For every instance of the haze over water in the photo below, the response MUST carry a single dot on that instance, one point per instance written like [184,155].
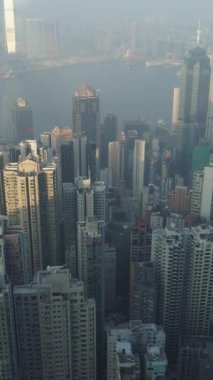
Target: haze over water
[132,93]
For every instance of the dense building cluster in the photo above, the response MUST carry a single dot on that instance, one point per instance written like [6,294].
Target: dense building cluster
[106,242]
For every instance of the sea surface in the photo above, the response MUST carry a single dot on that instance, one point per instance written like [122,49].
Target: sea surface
[131,93]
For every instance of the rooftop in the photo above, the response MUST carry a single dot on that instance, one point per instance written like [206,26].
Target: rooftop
[156,354]
[85,91]
[20,102]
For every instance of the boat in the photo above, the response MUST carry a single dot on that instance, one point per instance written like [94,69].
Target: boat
[161,63]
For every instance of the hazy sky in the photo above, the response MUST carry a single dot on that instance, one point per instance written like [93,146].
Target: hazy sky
[88,9]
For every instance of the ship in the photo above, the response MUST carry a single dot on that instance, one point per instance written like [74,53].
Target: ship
[151,64]
[161,63]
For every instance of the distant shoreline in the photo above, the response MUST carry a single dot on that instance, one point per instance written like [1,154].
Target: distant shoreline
[51,65]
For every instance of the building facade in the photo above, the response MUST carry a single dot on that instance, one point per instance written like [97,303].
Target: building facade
[86,113]
[22,116]
[56,328]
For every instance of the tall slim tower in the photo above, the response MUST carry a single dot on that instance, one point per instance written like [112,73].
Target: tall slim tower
[175,110]
[197,189]
[81,202]
[207,194]
[86,113]
[138,168]
[108,134]
[10,32]
[116,161]
[99,190]
[90,254]
[49,214]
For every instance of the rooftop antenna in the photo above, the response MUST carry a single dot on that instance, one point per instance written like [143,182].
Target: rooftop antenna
[199,31]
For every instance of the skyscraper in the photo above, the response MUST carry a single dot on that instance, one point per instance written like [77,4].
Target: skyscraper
[197,189]
[99,189]
[179,200]
[108,134]
[175,110]
[209,131]
[141,239]
[183,261]
[168,257]
[81,202]
[16,255]
[193,107]
[70,226]
[92,162]
[45,138]
[207,194]
[22,207]
[2,202]
[194,88]
[67,163]
[110,127]
[138,168]
[8,353]
[116,161]
[90,255]
[10,30]
[86,113]
[56,328]
[198,281]
[74,159]
[195,361]
[60,136]
[110,278]
[143,292]
[22,121]
[31,202]
[49,215]
[90,259]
